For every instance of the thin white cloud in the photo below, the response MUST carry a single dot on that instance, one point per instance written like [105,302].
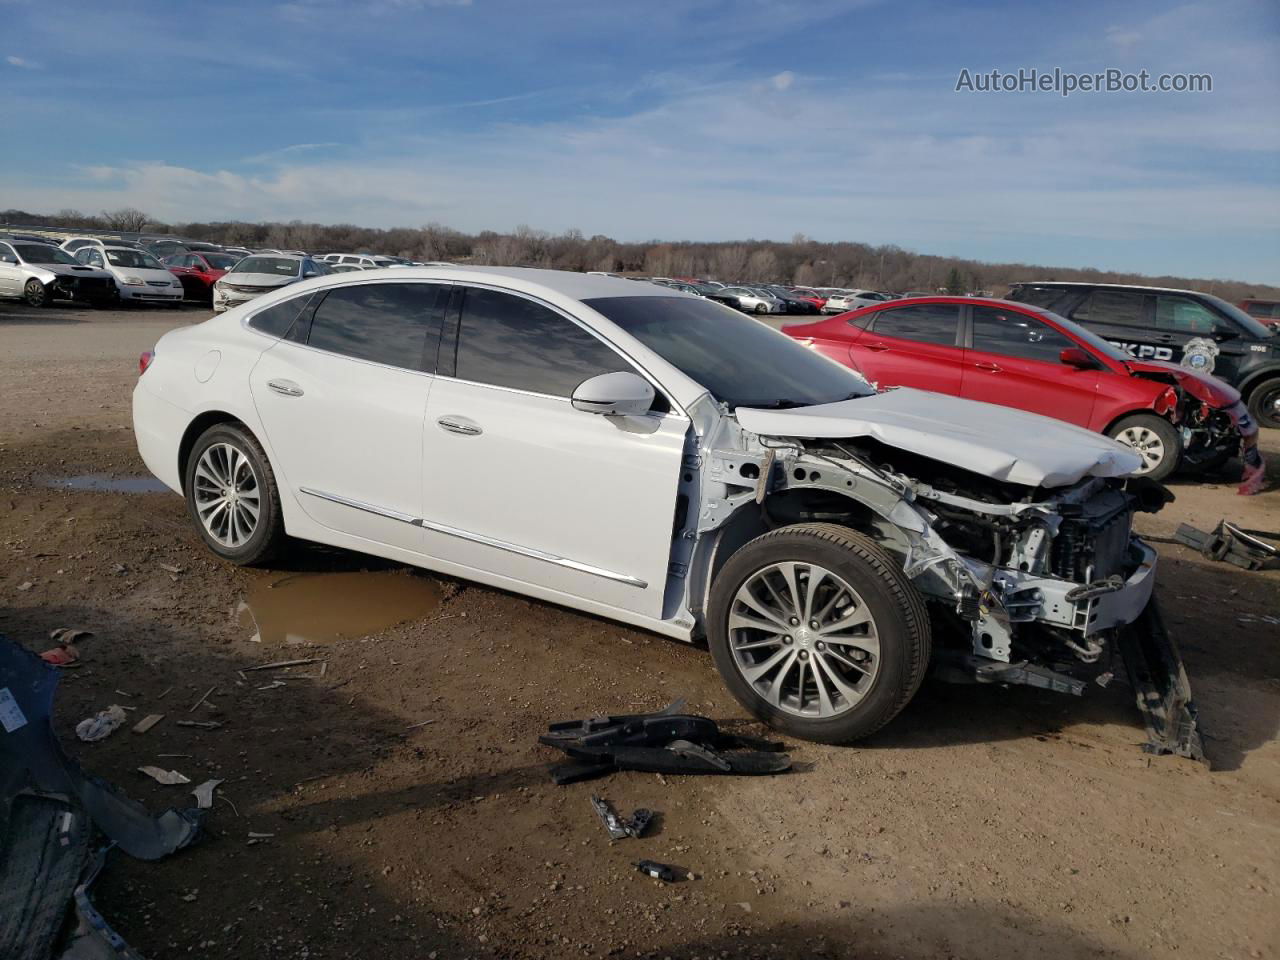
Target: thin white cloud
[783,80]
[1122,37]
[272,156]
[21,63]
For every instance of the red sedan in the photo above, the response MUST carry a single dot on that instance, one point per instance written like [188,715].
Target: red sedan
[1018,355]
[198,271]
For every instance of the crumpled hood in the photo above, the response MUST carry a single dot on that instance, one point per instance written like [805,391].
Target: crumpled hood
[995,441]
[70,270]
[1204,387]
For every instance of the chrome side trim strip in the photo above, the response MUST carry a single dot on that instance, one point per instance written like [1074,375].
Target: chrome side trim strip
[479,538]
[361,505]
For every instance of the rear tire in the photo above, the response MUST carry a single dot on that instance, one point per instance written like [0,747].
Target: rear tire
[842,680]
[762,308]
[1154,439]
[232,495]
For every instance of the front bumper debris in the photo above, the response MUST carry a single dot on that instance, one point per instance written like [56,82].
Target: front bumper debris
[1160,684]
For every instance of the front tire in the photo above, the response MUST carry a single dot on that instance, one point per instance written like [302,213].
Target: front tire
[36,294]
[1152,438]
[762,308]
[232,495]
[1264,403]
[817,632]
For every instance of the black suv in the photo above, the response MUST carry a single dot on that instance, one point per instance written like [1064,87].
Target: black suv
[1197,330]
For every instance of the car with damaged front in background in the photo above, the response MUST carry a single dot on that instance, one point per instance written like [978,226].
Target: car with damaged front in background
[660,459]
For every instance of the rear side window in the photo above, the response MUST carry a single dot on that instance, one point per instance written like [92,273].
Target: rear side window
[1013,334]
[924,323]
[1120,307]
[390,323]
[1051,298]
[510,341]
[278,318]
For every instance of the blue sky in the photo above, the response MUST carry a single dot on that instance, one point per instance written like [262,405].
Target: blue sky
[673,119]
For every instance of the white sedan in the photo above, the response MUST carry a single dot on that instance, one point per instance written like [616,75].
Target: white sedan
[139,276]
[656,458]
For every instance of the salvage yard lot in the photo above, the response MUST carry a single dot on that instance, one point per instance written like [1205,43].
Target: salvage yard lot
[982,823]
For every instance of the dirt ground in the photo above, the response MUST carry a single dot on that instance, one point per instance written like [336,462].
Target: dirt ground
[983,823]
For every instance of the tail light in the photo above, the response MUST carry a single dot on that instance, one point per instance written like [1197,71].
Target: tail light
[145,360]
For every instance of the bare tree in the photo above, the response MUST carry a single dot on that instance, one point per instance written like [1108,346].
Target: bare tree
[126,220]
[729,263]
[763,265]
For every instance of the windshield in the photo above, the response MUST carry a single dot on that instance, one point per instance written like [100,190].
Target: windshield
[132,258]
[221,261]
[280,266]
[1251,326]
[742,362]
[42,253]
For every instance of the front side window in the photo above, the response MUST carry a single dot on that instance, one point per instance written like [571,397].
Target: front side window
[1121,307]
[739,361]
[6,254]
[1013,334]
[1184,315]
[510,341]
[924,323]
[390,323]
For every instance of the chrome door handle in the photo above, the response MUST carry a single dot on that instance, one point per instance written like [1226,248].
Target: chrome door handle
[286,388]
[989,367]
[460,425]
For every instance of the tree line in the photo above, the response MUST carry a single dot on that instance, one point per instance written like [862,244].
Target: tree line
[800,262]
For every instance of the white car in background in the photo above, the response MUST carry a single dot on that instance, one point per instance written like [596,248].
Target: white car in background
[139,277]
[754,299]
[75,244]
[847,300]
[259,274]
[659,459]
[40,273]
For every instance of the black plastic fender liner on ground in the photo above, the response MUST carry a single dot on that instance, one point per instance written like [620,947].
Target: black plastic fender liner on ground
[1159,681]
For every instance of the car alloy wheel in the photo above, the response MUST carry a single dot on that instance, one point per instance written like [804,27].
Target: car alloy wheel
[228,495]
[1146,444]
[36,294]
[804,639]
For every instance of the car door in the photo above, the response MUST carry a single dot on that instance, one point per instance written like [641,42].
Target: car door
[342,395]
[10,273]
[912,346]
[520,484]
[1014,360]
[1201,338]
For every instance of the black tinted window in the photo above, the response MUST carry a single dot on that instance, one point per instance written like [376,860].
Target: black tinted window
[925,323]
[1014,334]
[509,341]
[1051,298]
[740,361]
[1185,316]
[389,323]
[278,318]
[1113,306]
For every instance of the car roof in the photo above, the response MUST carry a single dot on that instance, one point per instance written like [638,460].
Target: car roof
[1106,286]
[566,283]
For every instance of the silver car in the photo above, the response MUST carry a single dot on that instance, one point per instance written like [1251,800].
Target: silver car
[40,273]
[256,275]
[754,300]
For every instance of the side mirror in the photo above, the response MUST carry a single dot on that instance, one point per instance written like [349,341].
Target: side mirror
[614,395]
[1075,357]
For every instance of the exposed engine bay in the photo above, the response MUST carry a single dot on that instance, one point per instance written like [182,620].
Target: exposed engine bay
[1025,584]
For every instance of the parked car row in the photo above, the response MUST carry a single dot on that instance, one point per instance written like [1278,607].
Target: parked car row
[1018,354]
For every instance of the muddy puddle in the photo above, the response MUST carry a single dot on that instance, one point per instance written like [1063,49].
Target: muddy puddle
[106,483]
[309,608]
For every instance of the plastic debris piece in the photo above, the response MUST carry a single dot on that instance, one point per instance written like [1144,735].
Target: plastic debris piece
[207,694]
[621,827]
[284,663]
[204,793]
[660,871]
[62,655]
[61,635]
[200,724]
[167,777]
[147,722]
[101,725]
